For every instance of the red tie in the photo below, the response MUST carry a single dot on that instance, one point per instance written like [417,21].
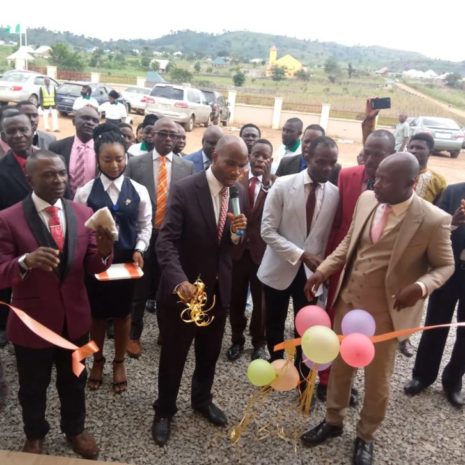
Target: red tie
[311,203]
[55,227]
[252,187]
[224,199]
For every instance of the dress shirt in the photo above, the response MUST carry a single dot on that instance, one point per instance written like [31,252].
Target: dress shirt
[399,210]
[206,161]
[113,189]
[136,149]
[90,161]
[113,110]
[156,166]
[258,186]
[82,102]
[282,152]
[41,205]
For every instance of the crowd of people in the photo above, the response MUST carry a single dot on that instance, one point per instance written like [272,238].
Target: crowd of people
[383,235]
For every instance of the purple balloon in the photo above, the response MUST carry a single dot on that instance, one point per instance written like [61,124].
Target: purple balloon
[358,321]
[310,364]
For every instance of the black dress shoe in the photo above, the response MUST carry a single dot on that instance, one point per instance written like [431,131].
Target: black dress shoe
[320,434]
[234,352]
[363,452]
[161,429]
[151,305]
[213,414]
[259,352]
[414,387]
[3,338]
[455,398]
[406,348]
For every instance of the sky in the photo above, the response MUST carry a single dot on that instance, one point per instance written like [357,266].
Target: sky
[433,29]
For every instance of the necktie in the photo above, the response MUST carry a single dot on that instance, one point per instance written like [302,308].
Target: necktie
[252,187]
[79,175]
[55,227]
[224,199]
[311,203]
[378,226]
[162,193]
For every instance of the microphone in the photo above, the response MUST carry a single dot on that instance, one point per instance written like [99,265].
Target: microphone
[234,197]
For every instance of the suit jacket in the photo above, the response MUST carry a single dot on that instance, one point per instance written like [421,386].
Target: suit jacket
[449,202]
[284,229]
[140,169]
[63,147]
[44,140]
[289,165]
[253,238]
[13,184]
[422,252]
[52,298]
[197,159]
[187,244]
[350,187]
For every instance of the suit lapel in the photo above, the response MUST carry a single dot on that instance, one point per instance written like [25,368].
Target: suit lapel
[205,202]
[297,197]
[16,172]
[71,232]
[148,179]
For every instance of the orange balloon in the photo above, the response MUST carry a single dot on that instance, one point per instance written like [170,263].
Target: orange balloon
[287,376]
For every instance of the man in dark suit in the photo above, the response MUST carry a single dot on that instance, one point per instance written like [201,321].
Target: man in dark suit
[195,242]
[78,151]
[248,255]
[441,309]
[40,139]
[45,250]
[17,132]
[146,170]
[202,158]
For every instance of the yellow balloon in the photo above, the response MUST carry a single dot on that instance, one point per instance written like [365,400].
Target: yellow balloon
[287,375]
[261,372]
[320,344]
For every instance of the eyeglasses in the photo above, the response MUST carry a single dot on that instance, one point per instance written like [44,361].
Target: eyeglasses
[165,134]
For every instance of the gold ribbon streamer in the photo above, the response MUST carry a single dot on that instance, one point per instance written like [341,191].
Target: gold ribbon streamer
[307,396]
[194,312]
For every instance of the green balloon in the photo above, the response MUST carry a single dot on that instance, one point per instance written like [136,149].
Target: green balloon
[260,372]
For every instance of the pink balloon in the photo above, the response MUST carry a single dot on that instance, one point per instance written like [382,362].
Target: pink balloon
[358,321]
[310,364]
[357,350]
[309,316]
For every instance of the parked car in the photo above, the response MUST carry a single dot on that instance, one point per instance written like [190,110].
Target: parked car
[220,110]
[135,98]
[16,86]
[68,92]
[446,133]
[183,104]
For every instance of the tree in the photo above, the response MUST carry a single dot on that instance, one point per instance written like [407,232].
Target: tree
[454,80]
[180,75]
[63,57]
[197,67]
[350,70]
[278,73]
[145,62]
[155,65]
[332,69]
[239,79]
[302,75]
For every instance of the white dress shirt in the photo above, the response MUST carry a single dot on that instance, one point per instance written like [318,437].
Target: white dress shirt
[41,205]
[113,110]
[82,102]
[113,189]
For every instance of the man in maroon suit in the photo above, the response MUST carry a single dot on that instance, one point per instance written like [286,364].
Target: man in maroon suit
[248,255]
[45,251]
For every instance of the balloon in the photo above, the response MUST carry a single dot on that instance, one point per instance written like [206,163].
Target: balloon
[357,350]
[358,321]
[261,372]
[287,375]
[309,316]
[310,363]
[320,344]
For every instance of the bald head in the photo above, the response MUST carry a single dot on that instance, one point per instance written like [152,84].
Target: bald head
[230,157]
[210,138]
[395,178]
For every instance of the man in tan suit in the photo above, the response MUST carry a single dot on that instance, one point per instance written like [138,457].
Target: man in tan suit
[397,251]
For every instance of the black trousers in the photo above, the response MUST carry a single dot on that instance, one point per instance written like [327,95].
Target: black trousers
[177,339]
[146,288]
[244,273]
[441,309]
[5,296]
[34,373]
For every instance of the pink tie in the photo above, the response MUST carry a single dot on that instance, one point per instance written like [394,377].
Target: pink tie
[378,227]
[224,198]
[55,227]
[78,177]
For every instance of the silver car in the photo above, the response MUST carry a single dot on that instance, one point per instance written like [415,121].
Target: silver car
[16,86]
[134,96]
[446,133]
[182,104]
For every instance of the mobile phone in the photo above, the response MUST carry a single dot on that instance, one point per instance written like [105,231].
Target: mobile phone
[380,103]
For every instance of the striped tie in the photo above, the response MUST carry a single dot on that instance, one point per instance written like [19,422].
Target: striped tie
[162,193]
[78,176]
[224,199]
